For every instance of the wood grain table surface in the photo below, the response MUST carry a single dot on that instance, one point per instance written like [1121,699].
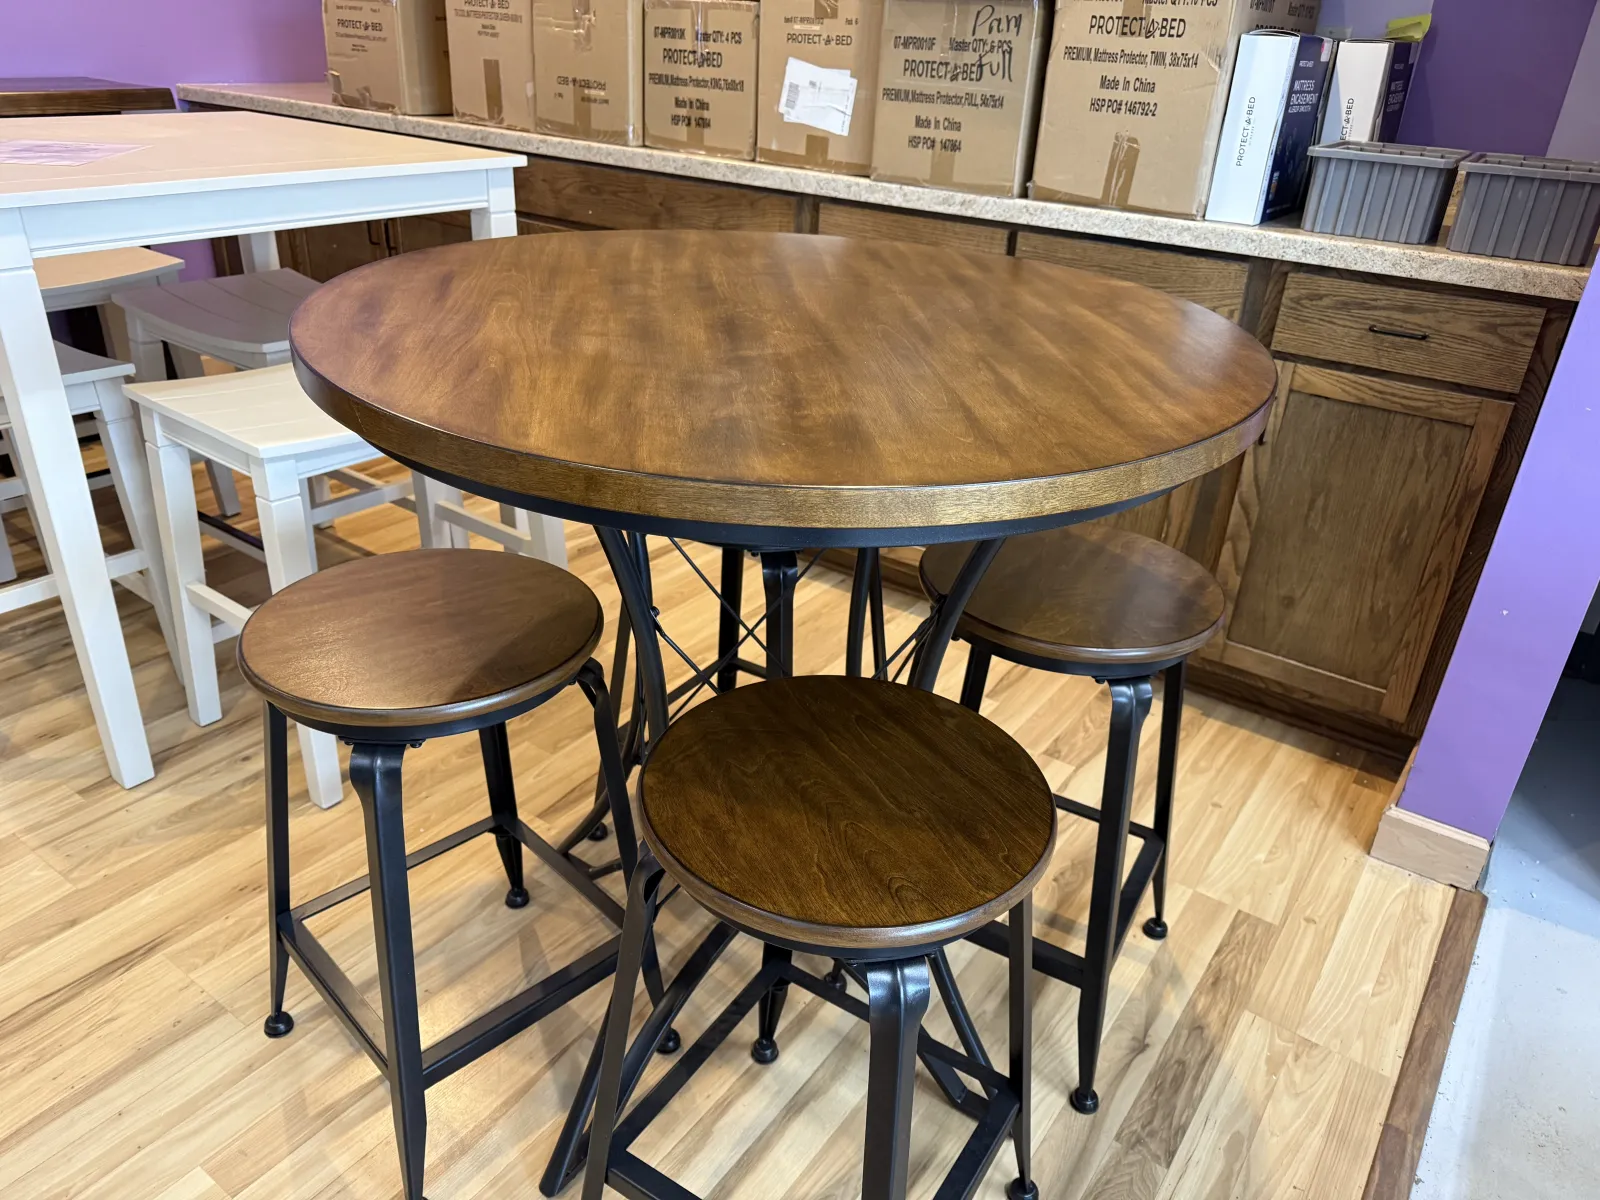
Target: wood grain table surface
[780,381]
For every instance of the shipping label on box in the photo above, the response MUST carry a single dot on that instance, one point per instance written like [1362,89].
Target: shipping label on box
[700,61]
[1134,97]
[819,72]
[491,61]
[390,55]
[587,69]
[958,83]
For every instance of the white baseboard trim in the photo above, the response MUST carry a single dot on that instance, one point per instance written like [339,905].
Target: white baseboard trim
[1430,848]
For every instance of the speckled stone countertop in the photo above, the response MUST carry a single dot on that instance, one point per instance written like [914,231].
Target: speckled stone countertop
[1277,241]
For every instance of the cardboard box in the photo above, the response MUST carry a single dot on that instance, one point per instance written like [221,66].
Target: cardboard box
[491,61]
[1367,91]
[958,88]
[700,61]
[819,83]
[388,54]
[1135,94]
[588,63]
[1274,110]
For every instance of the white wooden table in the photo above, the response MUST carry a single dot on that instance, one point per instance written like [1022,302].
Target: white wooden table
[186,176]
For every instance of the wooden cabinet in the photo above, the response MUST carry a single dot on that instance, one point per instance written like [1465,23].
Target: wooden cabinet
[610,198]
[1347,528]
[887,224]
[328,250]
[1210,281]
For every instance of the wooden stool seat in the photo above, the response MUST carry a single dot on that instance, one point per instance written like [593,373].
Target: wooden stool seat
[848,813]
[420,638]
[90,279]
[1085,594]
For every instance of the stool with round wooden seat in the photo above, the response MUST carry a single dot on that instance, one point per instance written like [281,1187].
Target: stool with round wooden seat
[1120,608]
[854,819]
[386,652]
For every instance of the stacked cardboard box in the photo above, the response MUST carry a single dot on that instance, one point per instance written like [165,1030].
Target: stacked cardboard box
[819,73]
[1135,95]
[700,76]
[958,85]
[587,69]
[491,61]
[388,54]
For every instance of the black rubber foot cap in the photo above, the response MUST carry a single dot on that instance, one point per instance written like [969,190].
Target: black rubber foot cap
[1155,928]
[836,979]
[277,1025]
[517,898]
[1085,1102]
[599,832]
[1018,1190]
[670,1043]
[764,1050]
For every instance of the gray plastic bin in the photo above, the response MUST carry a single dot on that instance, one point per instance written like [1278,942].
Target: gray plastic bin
[1378,190]
[1518,206]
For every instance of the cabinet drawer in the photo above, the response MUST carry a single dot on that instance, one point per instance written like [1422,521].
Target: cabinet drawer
[1457,339]
[1214,283]
[853,220]
[613,199]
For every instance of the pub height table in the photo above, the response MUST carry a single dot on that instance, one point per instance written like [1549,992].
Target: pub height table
[70,184]
[775,393]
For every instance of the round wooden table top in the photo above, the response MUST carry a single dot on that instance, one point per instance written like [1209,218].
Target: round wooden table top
[783,381]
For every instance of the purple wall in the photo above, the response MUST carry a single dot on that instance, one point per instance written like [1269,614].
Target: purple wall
[1494,74]
[163,42]
[1536,586]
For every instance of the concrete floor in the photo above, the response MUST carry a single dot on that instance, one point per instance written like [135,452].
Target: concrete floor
[1518,1111]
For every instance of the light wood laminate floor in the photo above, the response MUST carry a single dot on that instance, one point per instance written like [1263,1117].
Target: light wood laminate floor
[1249,1056]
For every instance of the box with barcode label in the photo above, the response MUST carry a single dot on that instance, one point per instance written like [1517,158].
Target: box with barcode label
[700,76]
[587,56]
[958,93]
[491,61]
[819,73]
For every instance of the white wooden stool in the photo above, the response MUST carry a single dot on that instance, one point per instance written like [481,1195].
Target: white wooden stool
[89,280]
[237,319]
[93,385]
[262,424]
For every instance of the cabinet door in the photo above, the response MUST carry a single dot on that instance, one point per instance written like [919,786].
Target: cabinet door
[324,251]
[1346,530]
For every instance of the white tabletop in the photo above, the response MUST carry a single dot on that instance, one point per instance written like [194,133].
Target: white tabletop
[191,152]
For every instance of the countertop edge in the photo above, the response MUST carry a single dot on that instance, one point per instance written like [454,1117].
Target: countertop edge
[1284,243]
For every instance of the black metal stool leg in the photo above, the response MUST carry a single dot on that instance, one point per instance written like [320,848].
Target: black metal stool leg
[728,619]
[765,1048]
[976,678]
[780,571]
[496,747]
[278,1022]
[1130,701]
[1020,930]
[897,998]
[630,957]
[375,773]
[1166,776]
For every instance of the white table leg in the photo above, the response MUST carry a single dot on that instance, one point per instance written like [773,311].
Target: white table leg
[144,351]
[172,480]
[46,443]
[286,537]
[130,476]
[258,251]
[499,219]
[115,331]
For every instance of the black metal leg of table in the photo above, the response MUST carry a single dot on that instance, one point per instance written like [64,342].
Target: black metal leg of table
[780,571]
[728,618]
[930,653]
